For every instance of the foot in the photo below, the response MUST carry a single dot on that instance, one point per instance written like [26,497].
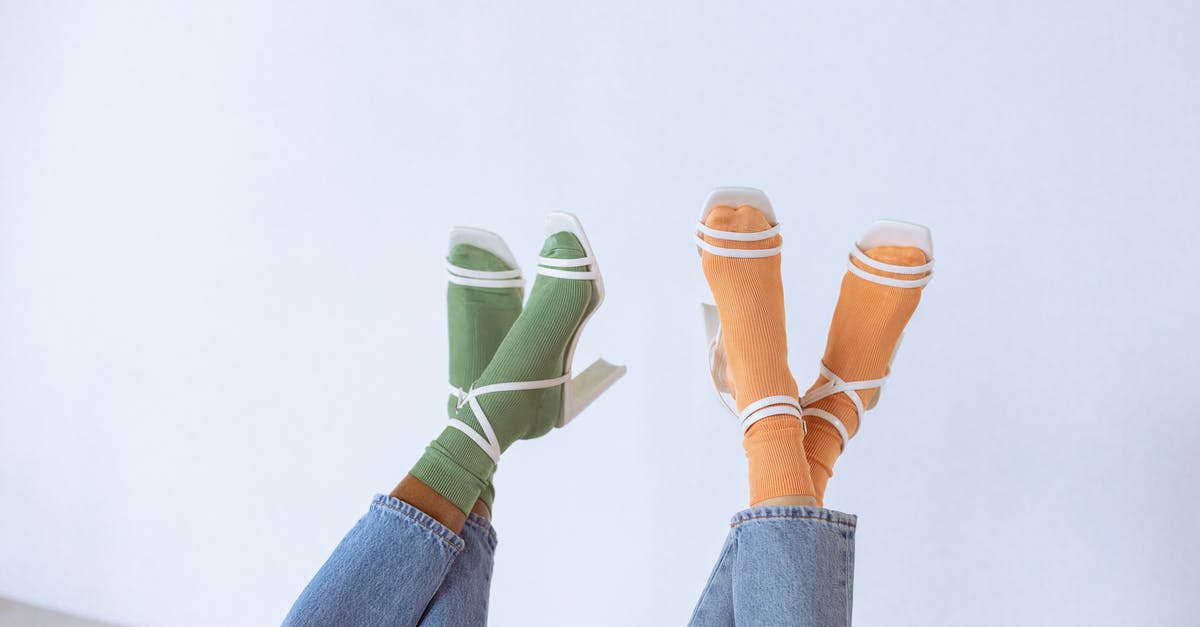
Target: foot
[872,310]
[460,462]
[749,297]
[480,311]
[535,349]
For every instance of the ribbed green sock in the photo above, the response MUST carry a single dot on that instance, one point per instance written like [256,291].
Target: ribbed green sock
[479,318]
[454,465]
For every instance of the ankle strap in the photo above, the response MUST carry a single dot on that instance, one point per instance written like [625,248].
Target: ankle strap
[855,253]
[741,253]
[763,407]
[500,279]
[837,385]
[770,406]
[488,440]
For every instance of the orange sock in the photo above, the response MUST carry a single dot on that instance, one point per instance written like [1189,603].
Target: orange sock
[749,299]
[866,328]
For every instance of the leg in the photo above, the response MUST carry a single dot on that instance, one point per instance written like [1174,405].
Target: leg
[384,572]
[715,607]
[525,391]
[888,269]
[740,255]
[391,566]
[782,565]
[788,561]
[463,598]
[480,313]
[794,565]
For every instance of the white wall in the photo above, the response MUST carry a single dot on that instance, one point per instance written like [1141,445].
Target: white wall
[221,295]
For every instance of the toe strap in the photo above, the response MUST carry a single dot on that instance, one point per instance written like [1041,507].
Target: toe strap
[735,236]
[549,266]
[501,279]
[861,257]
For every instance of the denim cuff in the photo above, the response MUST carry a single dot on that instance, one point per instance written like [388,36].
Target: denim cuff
[483,527]
[394,507]
[797,512]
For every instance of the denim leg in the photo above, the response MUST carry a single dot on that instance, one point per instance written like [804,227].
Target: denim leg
[793,566]
[715,607]
[463,598]
[384,572]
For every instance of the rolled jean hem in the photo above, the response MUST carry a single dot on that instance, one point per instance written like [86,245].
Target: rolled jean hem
[777,512]
[485,527]
[392,506]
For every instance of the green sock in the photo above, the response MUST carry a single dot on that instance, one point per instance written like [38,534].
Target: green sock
[479,318]
[534,349]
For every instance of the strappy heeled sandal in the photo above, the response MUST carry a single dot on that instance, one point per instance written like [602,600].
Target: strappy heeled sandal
[736,197]
[881,233]
[578,391]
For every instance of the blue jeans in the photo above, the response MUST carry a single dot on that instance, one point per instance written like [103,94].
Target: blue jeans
[782,565]
[398,566]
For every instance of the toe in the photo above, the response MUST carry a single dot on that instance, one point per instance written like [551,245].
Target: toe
[742,219]
[898,255]
[475,258]
[563,245]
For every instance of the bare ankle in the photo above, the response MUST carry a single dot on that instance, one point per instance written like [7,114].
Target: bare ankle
[414,492]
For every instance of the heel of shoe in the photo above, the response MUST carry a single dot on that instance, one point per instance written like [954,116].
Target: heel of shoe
[712,321]
[587,386]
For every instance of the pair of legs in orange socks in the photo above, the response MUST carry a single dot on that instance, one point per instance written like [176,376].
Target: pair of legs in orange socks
[793,441]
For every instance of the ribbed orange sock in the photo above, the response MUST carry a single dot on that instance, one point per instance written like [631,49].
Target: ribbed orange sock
[749,299]
[866,327]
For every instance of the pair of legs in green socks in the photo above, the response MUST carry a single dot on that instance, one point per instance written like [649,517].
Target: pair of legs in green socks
[510,366]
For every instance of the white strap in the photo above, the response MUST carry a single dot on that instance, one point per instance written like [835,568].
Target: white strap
[586,275]
[769,406]
[549,266]
[488,441]
[741,253]
[564,263]
[505,284]
[855,253]
[831,419]
[737,236]
[491,448]
[471,273]
[837,385]
[762,408]
[500,279]
[887,267]
[517,386]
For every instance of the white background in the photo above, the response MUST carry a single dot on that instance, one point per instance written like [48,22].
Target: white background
[222,299]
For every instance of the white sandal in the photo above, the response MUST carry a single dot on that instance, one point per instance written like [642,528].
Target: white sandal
[881,233]
[578,391]
[736,197]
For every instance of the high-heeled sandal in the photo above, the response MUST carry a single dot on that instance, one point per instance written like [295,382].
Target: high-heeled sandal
[736,197]
[578,391]
[881,233]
